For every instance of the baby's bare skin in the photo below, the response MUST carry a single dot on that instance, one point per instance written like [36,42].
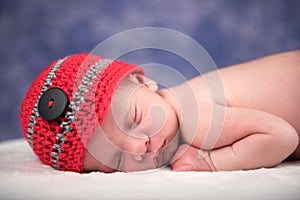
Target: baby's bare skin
[262,120]
[241,117]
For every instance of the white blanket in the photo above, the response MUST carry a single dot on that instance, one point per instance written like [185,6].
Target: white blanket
[22,176]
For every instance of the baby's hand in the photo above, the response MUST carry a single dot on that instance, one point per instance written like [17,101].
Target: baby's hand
[188,158]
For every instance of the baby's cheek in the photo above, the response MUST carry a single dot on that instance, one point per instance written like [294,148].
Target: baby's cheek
[155,119]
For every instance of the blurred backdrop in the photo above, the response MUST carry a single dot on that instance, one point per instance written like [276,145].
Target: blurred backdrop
[34,33]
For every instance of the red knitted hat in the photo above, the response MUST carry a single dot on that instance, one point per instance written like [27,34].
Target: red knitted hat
[65,105]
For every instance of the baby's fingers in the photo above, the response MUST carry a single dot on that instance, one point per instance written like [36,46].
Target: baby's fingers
[189,158]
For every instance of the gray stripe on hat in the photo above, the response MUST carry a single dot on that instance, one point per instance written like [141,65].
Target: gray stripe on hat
[34,112]
[78,98]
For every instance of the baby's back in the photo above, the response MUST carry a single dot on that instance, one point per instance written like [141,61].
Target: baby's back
[270,84]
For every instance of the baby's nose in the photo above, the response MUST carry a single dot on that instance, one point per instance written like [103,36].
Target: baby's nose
[137,144]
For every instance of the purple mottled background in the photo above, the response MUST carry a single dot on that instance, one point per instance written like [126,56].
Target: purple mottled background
[34,33]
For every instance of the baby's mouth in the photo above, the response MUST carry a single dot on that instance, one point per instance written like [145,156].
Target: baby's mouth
[158,156]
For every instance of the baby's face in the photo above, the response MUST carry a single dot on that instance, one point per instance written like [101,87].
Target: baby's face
[139,131]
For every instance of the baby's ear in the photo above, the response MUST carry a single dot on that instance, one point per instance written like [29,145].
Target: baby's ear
[147,82]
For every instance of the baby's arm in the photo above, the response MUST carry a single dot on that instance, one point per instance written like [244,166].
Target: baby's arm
[250,139]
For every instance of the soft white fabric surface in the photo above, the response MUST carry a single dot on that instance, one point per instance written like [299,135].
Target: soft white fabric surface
[24,177]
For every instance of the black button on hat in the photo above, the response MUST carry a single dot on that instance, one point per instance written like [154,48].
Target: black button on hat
[52,104]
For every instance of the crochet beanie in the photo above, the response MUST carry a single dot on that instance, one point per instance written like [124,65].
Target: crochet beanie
[65,105]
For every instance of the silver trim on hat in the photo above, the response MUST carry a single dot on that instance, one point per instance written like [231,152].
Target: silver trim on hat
[78,98]
[34,112]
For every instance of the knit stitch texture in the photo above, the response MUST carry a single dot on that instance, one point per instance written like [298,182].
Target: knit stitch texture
[89,81]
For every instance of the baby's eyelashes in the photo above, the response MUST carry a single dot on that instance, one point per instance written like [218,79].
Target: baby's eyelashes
[137,118]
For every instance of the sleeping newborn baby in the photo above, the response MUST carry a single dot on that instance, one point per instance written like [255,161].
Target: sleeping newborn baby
[85,113]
